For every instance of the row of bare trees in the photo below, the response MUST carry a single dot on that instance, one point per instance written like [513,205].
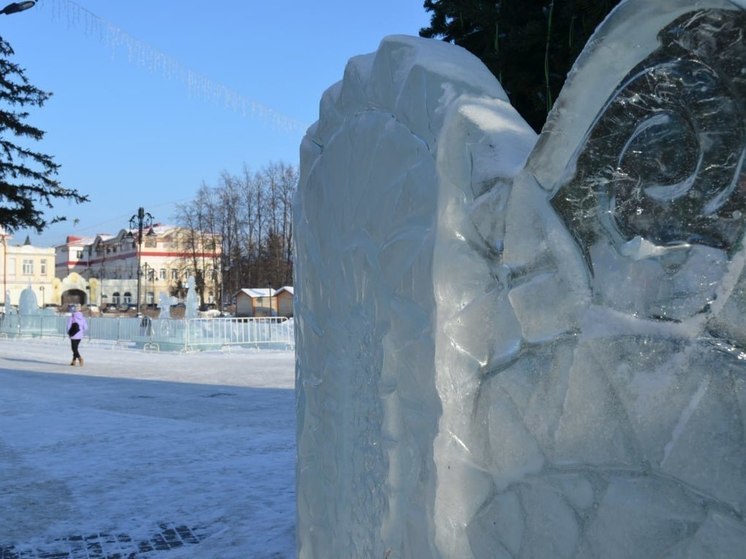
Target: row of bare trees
[241,230]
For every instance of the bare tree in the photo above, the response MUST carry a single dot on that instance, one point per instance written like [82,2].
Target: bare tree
[197,237]
[251,215]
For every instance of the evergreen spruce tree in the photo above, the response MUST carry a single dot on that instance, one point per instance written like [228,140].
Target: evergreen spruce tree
[27,183]
[529,45]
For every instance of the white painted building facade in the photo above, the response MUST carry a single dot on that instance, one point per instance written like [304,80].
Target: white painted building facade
[24,265]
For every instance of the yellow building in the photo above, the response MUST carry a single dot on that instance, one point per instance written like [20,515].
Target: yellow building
[24,265]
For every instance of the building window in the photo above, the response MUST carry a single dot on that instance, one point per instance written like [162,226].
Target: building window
[78,254]
[174,274]
[162,274]
[150,298]
[115,298]
[127,297]
[43,267]
[28,267]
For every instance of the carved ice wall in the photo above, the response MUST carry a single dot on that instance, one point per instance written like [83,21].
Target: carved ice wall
[520,348]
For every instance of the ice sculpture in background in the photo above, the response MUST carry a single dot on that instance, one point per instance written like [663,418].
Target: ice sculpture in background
[191,308]
[164,305]
[28,308]
[28,305]
[519,347]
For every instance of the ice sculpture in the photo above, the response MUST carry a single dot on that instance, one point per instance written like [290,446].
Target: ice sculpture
[27,303]
[164,305]
[191,309]
[512,346]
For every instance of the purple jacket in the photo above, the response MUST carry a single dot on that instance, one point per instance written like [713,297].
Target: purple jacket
[80,319]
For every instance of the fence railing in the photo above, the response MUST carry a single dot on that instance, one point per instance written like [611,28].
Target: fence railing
[163,333]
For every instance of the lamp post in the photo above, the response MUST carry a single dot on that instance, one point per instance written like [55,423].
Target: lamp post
[217,291]
[148,273]
[269,293]
[138,221]
[269,320]
[152,281]
[224,272]
[43,301]
[15,7]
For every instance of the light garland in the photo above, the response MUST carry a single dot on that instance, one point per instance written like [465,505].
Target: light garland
[148,57]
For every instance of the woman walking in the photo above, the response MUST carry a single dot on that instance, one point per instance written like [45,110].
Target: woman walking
[76,327]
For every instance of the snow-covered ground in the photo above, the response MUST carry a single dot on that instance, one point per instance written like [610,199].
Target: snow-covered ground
[146,455]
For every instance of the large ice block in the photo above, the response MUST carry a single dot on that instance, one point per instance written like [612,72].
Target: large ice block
[519,346]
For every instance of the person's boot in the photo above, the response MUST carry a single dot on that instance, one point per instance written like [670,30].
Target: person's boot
[72,362]
[80,361]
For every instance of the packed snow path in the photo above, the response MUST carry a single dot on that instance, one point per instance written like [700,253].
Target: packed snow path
[145,455]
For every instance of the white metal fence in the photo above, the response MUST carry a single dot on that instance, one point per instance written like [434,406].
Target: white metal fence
[163,333]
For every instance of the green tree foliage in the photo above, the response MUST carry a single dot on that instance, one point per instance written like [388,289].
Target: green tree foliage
[529,45]
[26,177]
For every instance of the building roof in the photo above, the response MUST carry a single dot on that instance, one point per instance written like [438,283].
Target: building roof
[257,292]
[73,240]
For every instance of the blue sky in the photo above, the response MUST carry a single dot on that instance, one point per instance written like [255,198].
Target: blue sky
[151,99]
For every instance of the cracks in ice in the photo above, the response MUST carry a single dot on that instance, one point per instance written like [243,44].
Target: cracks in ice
[729,348]
[684,418]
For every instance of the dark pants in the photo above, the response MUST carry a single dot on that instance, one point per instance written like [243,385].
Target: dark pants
[74,344]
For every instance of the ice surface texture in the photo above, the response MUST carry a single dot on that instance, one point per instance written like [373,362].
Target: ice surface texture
[519,347]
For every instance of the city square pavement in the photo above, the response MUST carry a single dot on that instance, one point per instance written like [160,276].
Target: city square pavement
[145,455]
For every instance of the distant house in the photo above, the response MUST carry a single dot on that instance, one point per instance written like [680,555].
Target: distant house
[284,297]
[263,301]
[256,302]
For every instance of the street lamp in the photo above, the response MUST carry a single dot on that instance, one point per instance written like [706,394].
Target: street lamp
[15,7]
[269,319]
[138,221]
[149,273]
[269,292]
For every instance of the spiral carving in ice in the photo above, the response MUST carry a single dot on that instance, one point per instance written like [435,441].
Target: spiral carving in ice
[664,159]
